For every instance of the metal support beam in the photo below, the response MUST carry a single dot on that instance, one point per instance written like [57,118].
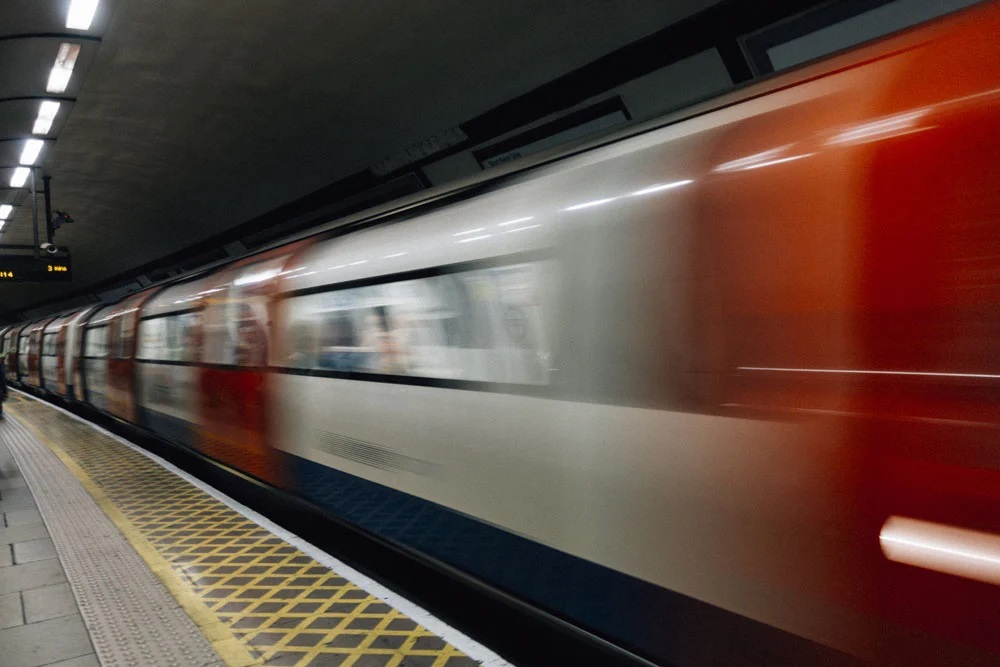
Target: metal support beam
[48,208]
[34,212]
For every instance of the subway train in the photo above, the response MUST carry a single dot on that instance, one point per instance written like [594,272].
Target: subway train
[720,389]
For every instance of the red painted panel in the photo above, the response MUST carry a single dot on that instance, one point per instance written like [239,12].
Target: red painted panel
[234,380]
[121,362]
[61,359]
[859,260]
[234,421]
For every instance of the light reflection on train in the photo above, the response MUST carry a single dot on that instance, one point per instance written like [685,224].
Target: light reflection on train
[724,390]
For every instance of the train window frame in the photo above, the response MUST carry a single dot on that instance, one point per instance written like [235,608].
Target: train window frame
[122,338]
[88,339]
[52,336]
[364,293]
[182,323]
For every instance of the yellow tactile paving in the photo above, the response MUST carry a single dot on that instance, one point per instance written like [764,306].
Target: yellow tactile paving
[259,600]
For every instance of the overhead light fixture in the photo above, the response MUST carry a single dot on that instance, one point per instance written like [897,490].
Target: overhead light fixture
[5,210]
[81,14]
[20,177]
[32,147]
[63,68]
[46,114]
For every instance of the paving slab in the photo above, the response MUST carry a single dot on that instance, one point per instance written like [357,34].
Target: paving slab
[22,517]
[83,661]
[14,482]
[31,575]
[34,550]
[48,602]
[43,643]
[11,611]
[17,495]
[31,531]
[17,504]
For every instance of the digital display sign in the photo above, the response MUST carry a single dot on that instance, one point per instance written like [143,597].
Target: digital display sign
[27,269]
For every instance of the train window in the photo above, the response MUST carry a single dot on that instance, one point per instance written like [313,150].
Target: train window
[49,344]
[169,338]
[482,325]
[97,342]
[22,344]
[247,341]
[236,332]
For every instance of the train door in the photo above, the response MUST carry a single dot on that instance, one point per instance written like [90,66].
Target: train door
[49,358]
[72,352]
[33,358]
[121,362]
[60,385]
[238,337]
[168,356]
[94,359]
[5,346]
[17,359]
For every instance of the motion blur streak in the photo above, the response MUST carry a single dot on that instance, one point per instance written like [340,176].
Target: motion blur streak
[661,187]
[852,371]
[933,546]
[882,129]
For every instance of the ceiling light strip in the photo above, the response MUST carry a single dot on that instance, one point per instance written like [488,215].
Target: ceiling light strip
[29,154]
[19,177]
[81,14]
[62,70]
[47,111]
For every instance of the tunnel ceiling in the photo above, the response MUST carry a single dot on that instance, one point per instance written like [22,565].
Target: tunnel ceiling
[185,118]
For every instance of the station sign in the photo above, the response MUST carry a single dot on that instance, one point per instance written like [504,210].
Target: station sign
[27,269]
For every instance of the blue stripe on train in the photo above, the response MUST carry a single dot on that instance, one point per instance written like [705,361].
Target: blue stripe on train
[641,616]
[168,427]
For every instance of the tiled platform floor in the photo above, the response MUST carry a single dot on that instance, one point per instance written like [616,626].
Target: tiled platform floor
[258,599]
[40,623]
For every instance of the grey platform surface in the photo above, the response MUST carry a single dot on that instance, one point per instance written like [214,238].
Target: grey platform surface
[40,622]
[132,620]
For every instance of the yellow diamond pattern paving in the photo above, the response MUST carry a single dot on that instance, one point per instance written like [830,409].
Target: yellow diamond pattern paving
[286,608]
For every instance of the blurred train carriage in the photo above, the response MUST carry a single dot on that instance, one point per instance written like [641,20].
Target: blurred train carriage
[734,375]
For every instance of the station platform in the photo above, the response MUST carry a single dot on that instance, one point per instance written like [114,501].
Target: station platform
[110,556]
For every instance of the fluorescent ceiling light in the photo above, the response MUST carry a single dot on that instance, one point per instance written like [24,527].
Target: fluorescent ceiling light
[5,210]
[46,114]
[2,223]
[20,177]
[63,68]
[81,14]
[32,147]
